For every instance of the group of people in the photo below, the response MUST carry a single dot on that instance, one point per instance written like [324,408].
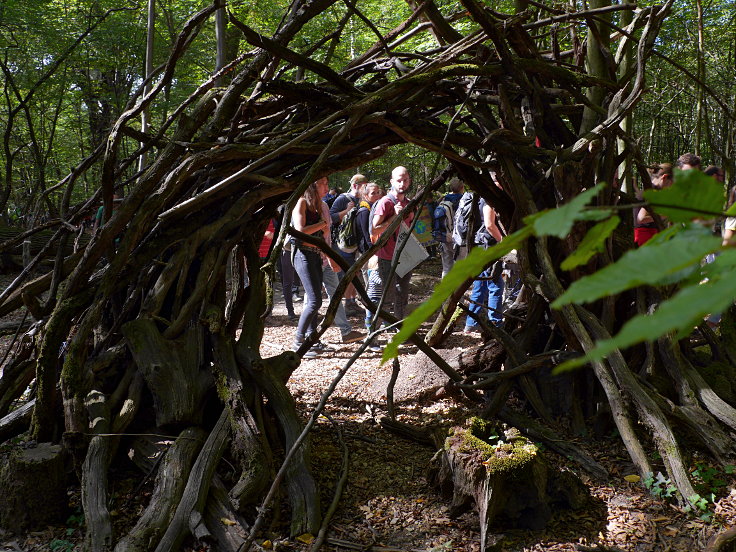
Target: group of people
[373,214]
[662,176]
[320,212]
[645,228]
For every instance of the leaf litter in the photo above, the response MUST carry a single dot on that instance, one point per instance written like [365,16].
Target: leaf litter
[388,505]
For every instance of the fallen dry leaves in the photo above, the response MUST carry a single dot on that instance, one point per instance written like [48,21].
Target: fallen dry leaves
[388,506]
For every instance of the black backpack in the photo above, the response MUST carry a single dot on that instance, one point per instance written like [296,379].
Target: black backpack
[347,236]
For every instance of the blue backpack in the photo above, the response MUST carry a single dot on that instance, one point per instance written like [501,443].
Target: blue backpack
[467,219]
[443,221]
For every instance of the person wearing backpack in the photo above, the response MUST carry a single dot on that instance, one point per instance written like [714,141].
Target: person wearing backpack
[467,221]
[342,205]
[487,291]
[384,212]
[346,205]
[369,196]
[443,221]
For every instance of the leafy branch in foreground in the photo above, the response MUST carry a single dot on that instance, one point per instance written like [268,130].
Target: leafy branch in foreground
[557,222]
[672,257]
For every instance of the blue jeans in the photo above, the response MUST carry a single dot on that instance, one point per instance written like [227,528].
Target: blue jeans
[487,290]
[349,257]
[308,265]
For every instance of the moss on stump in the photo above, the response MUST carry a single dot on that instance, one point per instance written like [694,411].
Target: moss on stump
[503,475]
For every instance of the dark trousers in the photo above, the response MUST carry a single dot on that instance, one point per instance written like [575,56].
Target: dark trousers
[397,294]
[287,280]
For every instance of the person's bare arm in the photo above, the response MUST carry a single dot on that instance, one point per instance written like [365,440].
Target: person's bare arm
[299,219]
[728,237]
[382,222]
[643,216]
[489,219]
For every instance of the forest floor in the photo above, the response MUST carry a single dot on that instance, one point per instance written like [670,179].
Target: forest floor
[387,504]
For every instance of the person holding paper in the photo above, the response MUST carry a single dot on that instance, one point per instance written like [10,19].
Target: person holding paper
[389,207]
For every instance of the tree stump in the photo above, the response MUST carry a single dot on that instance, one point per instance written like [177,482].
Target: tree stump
[22,506]
[725,541]
[503,474]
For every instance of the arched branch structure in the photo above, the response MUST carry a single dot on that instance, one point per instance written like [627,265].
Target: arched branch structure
[148,299]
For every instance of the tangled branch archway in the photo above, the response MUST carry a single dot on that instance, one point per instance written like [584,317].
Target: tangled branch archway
[523,122]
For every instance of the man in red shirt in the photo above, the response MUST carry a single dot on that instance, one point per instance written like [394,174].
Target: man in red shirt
[389,207]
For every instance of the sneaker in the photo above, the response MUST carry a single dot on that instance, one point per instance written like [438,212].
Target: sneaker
[352,336]
[311,353]
[375,348]
[296,298]
[471,330]
[322,348]
[293,317]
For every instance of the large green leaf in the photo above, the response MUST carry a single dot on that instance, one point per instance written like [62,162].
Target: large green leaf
[681,313]
[469,267]
[723,266]
[693,195]
[558,222]
[646,265]
[593,242]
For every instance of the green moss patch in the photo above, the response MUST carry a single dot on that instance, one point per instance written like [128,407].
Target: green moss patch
[498,451]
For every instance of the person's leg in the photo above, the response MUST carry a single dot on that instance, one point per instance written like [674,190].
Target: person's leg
[330,281]
[402,295]
[350,259]
[315,275]
[389,291]
[495,296]
[374,289]
[367,286]
[447,254]
[478,298]
[308,267]
[287,280]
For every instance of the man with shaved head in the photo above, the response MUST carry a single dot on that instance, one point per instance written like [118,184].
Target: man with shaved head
[389,207]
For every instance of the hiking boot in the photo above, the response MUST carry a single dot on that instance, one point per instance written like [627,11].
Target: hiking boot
[352,336]
[293,317]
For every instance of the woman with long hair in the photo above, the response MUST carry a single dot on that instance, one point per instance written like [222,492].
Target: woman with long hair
[644,226]
[308,217]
